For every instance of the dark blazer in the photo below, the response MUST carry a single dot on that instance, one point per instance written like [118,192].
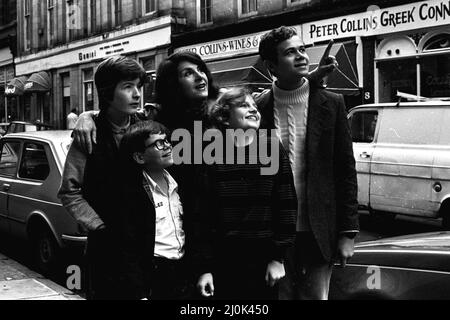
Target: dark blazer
[330,165]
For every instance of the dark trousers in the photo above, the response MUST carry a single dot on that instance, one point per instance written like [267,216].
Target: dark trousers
[307,273]
[243,280]
[101,281]
[171,280]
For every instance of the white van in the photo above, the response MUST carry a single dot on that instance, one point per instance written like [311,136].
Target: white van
[402,153]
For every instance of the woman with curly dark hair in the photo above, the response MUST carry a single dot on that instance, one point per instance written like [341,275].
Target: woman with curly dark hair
[183,87]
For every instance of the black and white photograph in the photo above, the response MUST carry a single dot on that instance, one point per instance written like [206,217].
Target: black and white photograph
[230,156]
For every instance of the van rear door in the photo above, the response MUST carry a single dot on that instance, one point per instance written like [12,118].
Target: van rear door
[441,164]
[402,160]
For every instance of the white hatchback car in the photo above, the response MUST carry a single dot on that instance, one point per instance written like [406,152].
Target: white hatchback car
[31,165]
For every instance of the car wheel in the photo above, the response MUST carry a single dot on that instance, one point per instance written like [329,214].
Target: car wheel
[446,220]
[445,214]
[45,251]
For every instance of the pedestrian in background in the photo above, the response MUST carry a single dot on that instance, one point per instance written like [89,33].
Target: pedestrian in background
[71,119]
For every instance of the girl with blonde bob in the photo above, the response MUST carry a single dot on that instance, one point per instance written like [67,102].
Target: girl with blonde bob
[247,220]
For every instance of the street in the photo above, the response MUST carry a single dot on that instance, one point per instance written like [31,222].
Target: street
[382,226]
[371,228]
[20,252]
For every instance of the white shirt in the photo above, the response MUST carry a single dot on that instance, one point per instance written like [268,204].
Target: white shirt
[169,233]
[71,120]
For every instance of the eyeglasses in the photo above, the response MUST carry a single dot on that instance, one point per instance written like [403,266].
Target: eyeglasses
[160,144]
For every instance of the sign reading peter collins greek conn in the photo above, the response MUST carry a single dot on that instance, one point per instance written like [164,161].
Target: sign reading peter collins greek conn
[377,21]
[226,47]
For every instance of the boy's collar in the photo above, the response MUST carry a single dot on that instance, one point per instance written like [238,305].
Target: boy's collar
[119,129]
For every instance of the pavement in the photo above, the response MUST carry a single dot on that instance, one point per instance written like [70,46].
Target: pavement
[17,282]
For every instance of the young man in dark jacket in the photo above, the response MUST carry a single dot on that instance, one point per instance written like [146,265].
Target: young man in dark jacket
[89,184]
[312,125]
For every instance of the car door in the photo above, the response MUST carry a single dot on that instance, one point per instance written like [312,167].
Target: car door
[402,161]
[9,160]
[28,193]
[441,164]
[363,124]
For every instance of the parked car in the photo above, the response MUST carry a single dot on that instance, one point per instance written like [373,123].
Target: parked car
[402,153]
[24,126]
[31,165]
[412,267]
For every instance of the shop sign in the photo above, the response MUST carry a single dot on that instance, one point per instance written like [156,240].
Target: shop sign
[226,47]
[376,21]
[157,36]
[10,90]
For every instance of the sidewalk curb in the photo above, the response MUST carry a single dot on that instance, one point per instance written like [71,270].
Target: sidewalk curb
[17,282]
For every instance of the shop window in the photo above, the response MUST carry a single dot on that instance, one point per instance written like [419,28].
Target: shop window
[3,104]
[204,15]
[363,126]
[65,81]
[397,75]
[438,42]
[27,107]
[13,109]
[149,89]
[88,87]
[43,107]
[435,76]
[248,7]
[149,6]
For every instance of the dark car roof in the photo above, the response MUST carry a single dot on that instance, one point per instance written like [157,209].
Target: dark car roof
[425,104]
[427,251]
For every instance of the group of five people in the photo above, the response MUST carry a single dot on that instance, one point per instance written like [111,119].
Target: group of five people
[223,230]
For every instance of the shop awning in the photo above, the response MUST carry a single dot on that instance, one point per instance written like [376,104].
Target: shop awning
[345,79]
[15,86]
[248,71]
[251,71]
[38,82]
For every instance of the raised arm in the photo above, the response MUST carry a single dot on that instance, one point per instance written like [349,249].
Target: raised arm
[85,132]
[70,191]
[326,66]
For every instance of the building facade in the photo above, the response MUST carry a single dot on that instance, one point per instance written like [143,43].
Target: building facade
[7,52]
[61,42]
[381,46]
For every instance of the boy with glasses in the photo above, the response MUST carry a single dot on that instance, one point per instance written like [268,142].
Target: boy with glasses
[154,238]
